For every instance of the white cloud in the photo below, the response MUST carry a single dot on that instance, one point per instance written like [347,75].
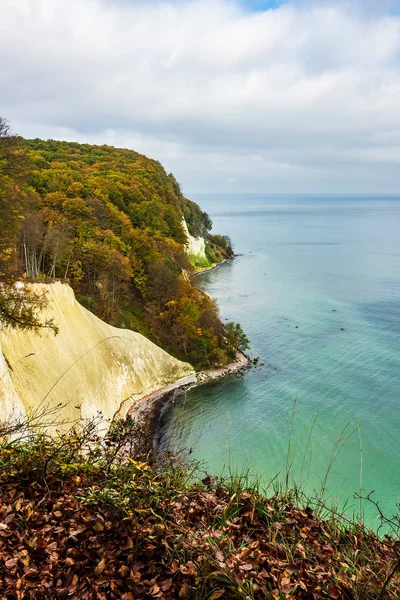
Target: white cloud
[302,98]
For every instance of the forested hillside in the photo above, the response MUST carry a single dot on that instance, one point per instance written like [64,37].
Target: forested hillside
[109,221]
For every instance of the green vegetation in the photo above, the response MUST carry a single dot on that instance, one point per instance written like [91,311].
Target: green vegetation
[236,336]
[198,222]
[77,521]
[19,307]
[200,262]
[218,248]
[109,221]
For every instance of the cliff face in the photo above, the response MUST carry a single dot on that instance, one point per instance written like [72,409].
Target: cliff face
[88,367]
[195,247]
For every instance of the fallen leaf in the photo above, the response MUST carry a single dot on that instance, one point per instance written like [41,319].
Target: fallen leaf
[11,563]
[123,571]
[166,585]
[334,592]
[217,594]
[185,592]
[127,545]
[154,590]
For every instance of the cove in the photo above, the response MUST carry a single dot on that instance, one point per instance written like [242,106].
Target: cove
[317,290]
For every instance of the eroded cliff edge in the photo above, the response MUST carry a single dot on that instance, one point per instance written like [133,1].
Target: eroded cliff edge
[88,367]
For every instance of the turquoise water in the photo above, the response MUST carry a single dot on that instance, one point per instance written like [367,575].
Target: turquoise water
[308,268]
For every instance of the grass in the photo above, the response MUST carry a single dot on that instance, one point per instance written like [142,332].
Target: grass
[81,518]
[199,261]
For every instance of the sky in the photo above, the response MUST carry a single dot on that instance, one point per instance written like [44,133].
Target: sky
[257,96]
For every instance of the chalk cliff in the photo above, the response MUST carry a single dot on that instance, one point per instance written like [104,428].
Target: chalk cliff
[88,367]
[195,247]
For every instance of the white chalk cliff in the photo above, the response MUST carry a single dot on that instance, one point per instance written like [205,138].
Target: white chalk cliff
[88,366]
[195,246]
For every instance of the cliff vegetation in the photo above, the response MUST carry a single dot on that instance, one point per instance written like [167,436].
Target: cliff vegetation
[110,221]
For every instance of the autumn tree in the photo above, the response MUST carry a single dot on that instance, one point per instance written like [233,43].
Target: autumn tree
[163,283]
[110,220]
[57,246]
[20,306]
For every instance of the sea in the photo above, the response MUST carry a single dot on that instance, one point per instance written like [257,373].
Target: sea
[316,287]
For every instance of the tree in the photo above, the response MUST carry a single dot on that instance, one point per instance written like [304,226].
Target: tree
[162,283]
[33,234]
[198,222]
[111,220]
[20,306]
[236,337]
[13,161]
[57,244]
[7,142]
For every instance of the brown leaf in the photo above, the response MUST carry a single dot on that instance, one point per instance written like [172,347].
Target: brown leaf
[334,592]
[127,545]
[217,594]
[51,547]
[11,563]
[185,591]
[123,571]
[166,585]
[31,574]
[154,590]
[174,566]
[100,567]
[246,567]
[303,585]
[219,555]
[33,542]
[232,525]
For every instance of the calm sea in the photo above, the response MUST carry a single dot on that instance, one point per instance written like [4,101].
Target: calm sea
[317,290]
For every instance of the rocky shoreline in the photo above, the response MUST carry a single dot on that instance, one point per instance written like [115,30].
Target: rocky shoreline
[215,266]
[148,411]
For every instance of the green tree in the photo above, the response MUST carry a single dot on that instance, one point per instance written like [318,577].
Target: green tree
[236,337]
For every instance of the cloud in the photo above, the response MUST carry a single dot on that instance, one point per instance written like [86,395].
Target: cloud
[301,98]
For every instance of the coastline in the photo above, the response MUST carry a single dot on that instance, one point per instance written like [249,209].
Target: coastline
[215,265]
[148,410]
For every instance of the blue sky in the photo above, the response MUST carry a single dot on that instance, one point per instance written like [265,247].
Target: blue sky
[262,4]
[388,6]
[303,98]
